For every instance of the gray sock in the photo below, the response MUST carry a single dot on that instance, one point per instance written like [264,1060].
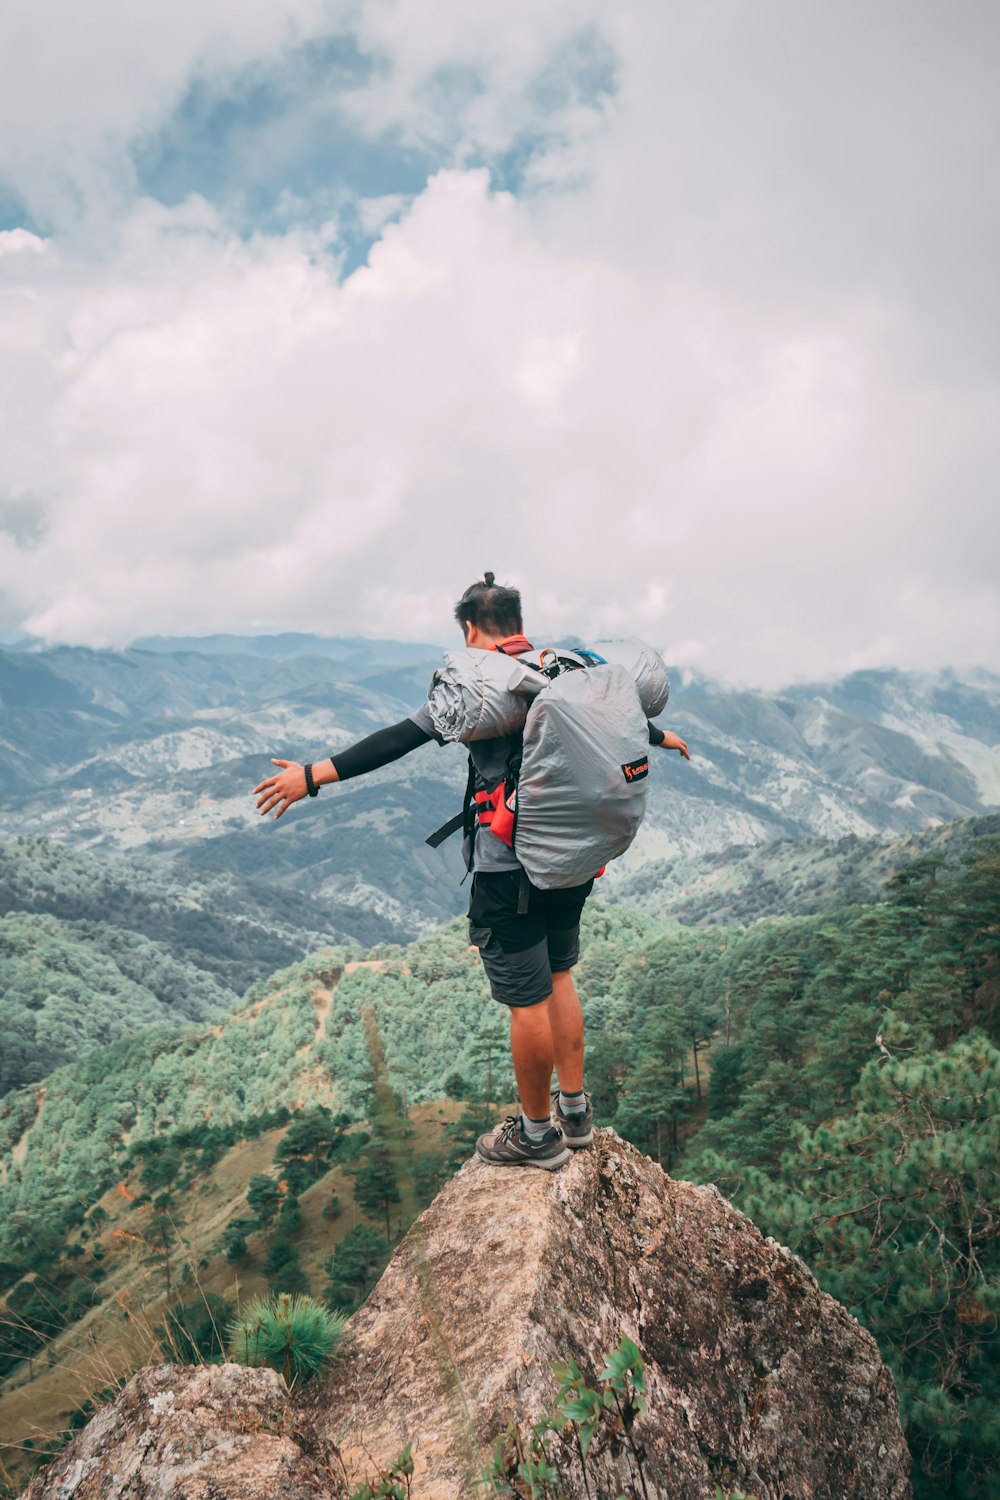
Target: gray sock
[534,1129]
[573,1104]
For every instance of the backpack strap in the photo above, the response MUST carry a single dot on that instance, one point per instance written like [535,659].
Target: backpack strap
[474,806]
[461,820]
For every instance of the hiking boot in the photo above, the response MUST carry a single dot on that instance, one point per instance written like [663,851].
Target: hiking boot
[508,1146]
[577,1129]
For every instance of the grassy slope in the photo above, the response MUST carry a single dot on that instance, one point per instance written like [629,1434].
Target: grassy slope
[118,1337]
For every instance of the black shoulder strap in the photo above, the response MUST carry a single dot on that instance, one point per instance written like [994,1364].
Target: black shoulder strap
[461,820]
[446,830]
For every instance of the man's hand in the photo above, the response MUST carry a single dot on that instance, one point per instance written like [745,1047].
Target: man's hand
[674,742]
[281,791]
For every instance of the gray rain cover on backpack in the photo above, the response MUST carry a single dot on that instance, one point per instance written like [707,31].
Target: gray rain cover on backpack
[581,793]
[470,699]
[646,668]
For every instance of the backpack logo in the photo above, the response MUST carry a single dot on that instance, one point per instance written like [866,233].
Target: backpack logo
[636,769]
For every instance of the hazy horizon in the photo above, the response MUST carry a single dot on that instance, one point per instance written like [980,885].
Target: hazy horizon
[683,676]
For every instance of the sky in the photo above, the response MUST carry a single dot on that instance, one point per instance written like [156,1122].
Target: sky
[682,317]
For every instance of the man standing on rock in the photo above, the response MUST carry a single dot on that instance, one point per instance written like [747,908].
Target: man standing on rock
[528,955]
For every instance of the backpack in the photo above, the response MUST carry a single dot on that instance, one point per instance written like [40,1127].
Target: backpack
[574,791]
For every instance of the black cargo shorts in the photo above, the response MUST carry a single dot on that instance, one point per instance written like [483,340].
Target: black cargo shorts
[521,952]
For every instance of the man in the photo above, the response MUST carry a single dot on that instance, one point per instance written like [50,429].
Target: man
[528,956]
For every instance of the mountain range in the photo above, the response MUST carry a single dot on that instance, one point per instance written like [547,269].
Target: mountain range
[156,749]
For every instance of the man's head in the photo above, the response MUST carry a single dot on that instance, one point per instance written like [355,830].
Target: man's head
[487,612]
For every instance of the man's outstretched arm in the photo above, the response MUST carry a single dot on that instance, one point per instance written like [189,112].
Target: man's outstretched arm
[667,740]
[278,792]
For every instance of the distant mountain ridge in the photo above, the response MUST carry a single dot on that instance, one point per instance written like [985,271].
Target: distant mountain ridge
[157,748]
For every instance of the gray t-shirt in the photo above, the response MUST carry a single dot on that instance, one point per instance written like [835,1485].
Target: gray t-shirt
[490,760]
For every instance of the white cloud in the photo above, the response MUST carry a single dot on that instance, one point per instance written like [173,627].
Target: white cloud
[78,84]
[228,438]
[21,242]
[81,88]
[480,76]
[732,389]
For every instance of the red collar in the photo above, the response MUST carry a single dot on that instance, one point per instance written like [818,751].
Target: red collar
[513,645]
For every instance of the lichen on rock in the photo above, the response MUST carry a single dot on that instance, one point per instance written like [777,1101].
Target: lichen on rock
[214,1432]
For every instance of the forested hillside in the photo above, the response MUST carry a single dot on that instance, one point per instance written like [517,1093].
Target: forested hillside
[788,877]
[838,1075]
[93,949]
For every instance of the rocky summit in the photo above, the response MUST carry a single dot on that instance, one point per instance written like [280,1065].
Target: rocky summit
[757,1380]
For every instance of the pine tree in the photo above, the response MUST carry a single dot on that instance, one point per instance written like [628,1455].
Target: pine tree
[354,1267]
[263,1198]
[376,1190]
[309,1140]
[895,1209]
[283,1268]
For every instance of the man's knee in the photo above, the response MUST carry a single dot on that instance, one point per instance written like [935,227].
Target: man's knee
[532,1008]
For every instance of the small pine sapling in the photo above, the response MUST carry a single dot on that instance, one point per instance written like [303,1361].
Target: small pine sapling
[295,1335]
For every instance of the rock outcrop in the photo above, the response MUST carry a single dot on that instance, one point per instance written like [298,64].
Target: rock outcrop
[215,1432]
[757,1380]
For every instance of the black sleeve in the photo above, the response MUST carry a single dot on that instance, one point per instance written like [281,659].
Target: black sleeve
[379,749]
[655,735]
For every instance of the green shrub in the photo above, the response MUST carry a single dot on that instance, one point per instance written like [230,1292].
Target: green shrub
[294,1335]
[234,1239]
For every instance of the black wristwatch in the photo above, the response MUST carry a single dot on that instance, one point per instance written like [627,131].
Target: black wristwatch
[311,786]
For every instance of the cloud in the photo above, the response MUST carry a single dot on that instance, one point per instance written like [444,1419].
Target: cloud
[92,100]
[234,439]
[720,371]
[21,242]
[77,85]
[22,517]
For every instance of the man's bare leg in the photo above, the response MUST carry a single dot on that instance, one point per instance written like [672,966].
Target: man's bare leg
[531,1050]
[544,1036]
[566,1026]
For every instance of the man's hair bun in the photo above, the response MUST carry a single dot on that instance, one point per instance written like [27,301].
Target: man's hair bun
[491,607]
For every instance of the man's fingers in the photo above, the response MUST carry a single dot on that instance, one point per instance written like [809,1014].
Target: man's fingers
[270,794]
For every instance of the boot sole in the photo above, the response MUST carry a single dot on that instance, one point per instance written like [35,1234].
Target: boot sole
[575,1143]
[547,1164]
